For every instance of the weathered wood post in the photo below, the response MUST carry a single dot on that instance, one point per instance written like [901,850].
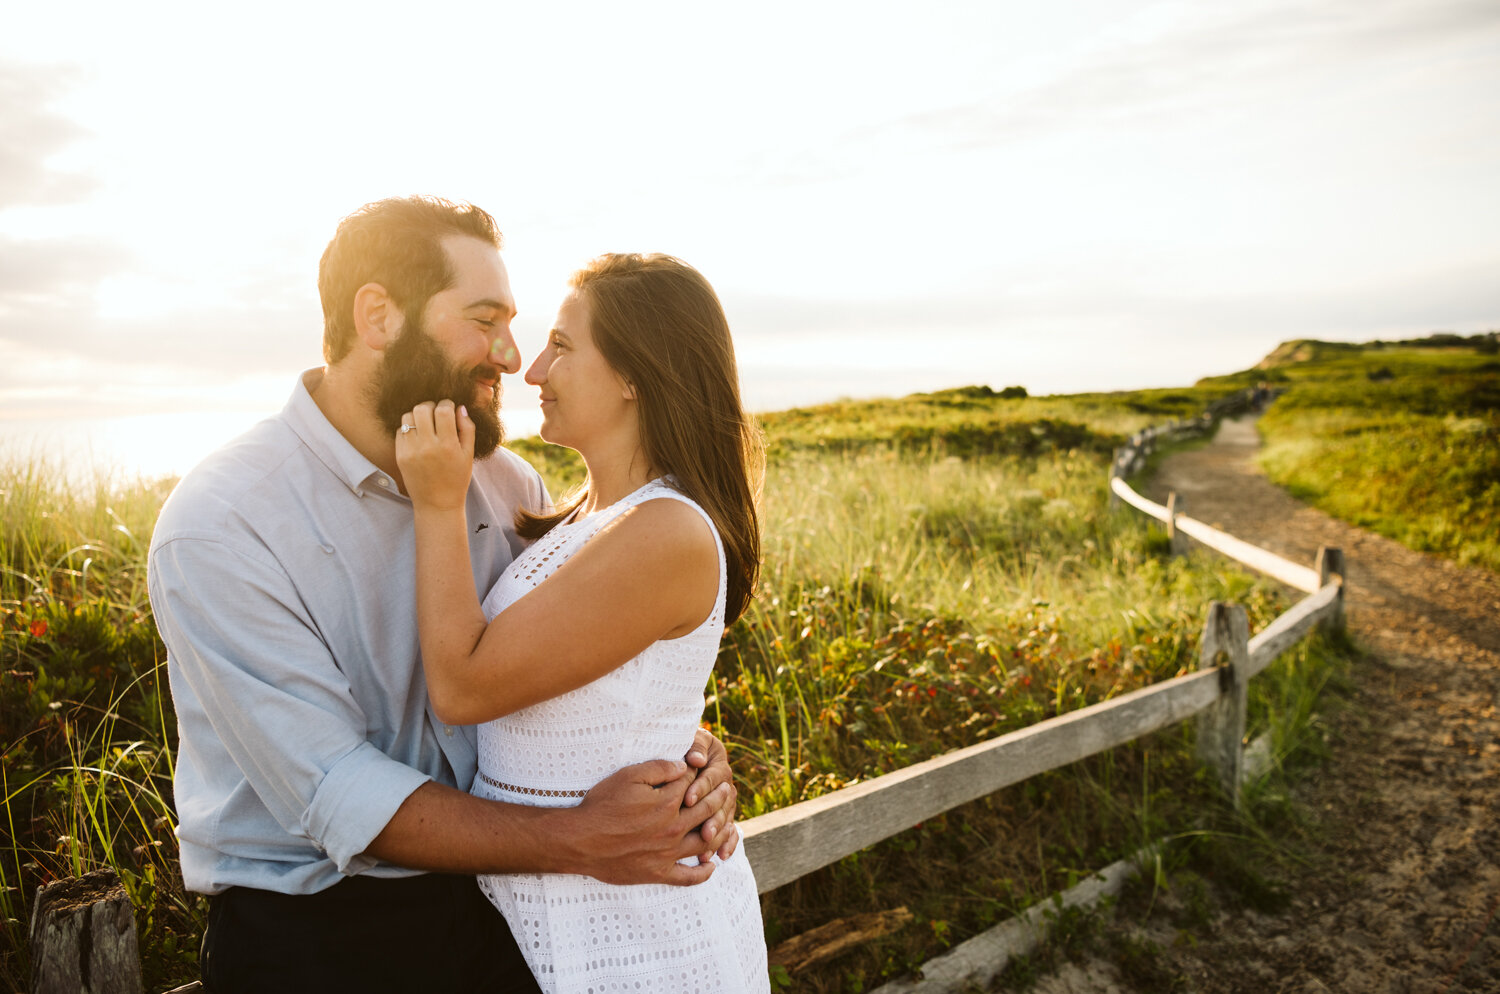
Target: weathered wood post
[83,938]
[1221,728]
[1178,540]
[1330,564]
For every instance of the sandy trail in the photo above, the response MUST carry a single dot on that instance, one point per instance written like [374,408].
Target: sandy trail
[1403,891]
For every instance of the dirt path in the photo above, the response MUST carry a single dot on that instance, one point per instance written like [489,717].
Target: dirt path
[1401,895]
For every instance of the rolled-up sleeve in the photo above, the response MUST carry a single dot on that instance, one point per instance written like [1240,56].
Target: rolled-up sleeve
[266,705]
[355,800]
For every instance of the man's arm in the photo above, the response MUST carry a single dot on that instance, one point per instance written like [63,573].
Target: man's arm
[631,828]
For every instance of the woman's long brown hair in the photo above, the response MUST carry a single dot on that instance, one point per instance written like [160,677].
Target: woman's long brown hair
[659,324]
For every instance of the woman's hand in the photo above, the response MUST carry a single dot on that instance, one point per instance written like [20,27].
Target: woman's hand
[435,452]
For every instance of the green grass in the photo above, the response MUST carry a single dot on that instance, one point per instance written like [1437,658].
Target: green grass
[1401,439]
[84,710]
[939,569]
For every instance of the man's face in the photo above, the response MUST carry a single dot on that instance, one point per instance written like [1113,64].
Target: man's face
[417,369]
[458,347]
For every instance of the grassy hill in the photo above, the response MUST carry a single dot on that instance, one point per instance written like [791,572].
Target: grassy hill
[1402,438]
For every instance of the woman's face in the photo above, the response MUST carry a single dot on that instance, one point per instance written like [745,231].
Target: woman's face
[584,401]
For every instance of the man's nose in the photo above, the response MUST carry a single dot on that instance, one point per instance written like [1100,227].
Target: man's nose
[503,352]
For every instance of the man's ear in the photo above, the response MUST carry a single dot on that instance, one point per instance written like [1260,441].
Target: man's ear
[377,319]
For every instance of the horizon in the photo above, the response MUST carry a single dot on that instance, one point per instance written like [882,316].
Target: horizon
[123,449]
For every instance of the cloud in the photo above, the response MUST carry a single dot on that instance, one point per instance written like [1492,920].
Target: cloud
[65,357]
[31,132]
[1203,66]
[50,275]
[1221,58]
[1457,296]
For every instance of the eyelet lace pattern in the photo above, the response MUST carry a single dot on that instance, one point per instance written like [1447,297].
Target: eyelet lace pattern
[581,936]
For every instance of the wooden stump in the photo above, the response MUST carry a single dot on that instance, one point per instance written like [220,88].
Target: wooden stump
[826,942]
[83,938]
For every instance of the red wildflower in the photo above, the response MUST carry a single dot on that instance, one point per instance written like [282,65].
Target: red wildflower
[38,628]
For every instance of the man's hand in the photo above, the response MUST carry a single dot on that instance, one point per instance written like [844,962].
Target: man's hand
[633,827]
[714,786]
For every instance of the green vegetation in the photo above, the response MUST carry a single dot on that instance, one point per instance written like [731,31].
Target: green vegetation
[1402,438]
[1249,859]
[939,569]
[85,717]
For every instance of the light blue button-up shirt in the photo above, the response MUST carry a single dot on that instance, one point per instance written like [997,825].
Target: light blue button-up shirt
[282,577]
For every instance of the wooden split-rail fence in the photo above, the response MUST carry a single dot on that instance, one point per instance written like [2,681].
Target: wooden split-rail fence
[791,842]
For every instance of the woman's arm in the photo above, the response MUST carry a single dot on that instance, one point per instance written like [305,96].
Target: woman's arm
[652,573]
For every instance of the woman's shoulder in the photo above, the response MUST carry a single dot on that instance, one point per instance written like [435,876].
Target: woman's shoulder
[664,510]
[663,525]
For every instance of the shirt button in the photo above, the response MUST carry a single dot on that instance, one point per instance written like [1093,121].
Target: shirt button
[447,729]
[385,483]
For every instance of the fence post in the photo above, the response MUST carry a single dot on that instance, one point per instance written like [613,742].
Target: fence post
[1114,471]
[1178,540]
[1331,564]
[83,938]
[1221,728]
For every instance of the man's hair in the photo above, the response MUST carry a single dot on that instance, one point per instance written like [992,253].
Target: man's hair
[658,324]
[398,244]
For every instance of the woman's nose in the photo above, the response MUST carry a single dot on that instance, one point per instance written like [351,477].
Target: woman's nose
[536,374]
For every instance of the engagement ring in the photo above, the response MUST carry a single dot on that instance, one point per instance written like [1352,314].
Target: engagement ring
[407,428]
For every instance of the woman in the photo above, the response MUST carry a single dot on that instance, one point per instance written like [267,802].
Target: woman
[592,651]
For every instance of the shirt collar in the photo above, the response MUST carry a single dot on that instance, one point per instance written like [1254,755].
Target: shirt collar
[328,443]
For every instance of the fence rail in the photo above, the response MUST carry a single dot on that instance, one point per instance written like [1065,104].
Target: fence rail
[796,840]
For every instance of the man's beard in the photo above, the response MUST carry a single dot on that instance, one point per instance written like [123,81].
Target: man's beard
[416,370]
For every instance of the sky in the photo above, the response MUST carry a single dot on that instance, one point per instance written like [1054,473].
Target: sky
[889,197]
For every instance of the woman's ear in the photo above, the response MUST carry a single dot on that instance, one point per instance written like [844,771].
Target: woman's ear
[377,319]
[627,389]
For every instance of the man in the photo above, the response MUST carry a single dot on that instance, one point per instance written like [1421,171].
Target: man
[320,801]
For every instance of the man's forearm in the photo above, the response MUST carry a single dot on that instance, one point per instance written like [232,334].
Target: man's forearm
[444,830]
[631,828]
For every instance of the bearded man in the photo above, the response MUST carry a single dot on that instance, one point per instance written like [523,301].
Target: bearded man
[320,802]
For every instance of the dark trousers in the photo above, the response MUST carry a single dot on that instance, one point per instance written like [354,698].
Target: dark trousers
[434,932]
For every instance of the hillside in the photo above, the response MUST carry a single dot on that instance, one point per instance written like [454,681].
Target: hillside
[1402,438]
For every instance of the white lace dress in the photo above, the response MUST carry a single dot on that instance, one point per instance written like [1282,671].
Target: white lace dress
[578,934]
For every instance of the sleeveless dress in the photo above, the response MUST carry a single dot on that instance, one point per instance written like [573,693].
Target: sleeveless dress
[581,936]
